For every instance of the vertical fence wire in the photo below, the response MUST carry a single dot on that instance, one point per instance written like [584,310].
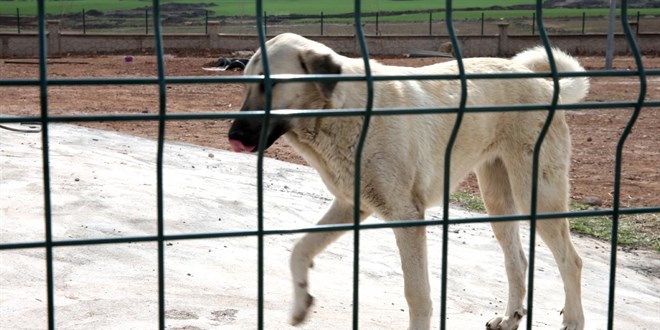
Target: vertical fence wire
[447,169]
[206,22]
[616,202]
[535,160]
[18,20]
[263,142]
[48,217]
[162,112]
[358,157]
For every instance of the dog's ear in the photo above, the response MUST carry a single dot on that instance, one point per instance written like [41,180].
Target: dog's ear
[314,63]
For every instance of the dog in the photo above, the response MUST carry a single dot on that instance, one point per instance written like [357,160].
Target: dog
[403,158]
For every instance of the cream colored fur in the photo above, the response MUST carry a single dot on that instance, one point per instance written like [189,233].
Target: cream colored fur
[402,167]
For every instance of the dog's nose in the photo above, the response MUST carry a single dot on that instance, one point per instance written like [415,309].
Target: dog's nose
[237,141]
[238,146]
[235,134]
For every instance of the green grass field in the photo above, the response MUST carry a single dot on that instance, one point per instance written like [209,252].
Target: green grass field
[306,7]
[632,232]
[247,7]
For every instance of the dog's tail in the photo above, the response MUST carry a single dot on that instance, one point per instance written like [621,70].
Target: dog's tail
[572,89]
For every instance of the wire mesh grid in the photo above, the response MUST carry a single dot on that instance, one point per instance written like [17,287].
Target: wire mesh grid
[162,81]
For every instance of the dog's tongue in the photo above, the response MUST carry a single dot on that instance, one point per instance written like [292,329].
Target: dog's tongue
[238,146]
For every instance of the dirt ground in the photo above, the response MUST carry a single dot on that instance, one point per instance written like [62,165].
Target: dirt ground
[595,133]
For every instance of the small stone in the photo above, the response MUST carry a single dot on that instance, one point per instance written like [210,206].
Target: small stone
[211,155]
[592,200]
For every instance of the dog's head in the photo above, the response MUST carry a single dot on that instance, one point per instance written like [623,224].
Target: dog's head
[288,54]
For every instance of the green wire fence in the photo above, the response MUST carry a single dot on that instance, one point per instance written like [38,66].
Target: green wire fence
[139,20]
[162,81]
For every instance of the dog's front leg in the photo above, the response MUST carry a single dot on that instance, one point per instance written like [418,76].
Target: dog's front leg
[412,248]
[307,248]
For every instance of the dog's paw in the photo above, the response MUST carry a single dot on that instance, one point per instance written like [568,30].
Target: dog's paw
[572,322]
[301,308]
[506,322]
[572,325]
[501,323]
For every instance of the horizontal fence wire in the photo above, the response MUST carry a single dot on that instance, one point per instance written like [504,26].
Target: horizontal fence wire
[325,113]
[334,227]
[269,114]
[292,78]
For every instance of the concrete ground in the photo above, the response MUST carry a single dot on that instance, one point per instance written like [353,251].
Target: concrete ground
[104,186]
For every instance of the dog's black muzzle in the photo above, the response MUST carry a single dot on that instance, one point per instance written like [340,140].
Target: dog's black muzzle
[244,134]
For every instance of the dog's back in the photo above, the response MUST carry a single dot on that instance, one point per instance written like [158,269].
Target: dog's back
[482,135]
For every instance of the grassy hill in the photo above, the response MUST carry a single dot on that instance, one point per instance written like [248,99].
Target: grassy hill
[395,10]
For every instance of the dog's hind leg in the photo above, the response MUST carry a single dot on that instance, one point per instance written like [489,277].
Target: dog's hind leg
[555,233]
[553,198]
[307,248]
[497,195]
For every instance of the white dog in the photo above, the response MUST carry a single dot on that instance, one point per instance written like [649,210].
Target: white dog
[403,158]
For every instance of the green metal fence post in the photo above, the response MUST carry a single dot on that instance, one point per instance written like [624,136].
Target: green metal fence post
[321,23]
[206,22]
[430,22]
[584,18]
[18,20]
[265,20]
[377,23]
[84,24]
[533,23]
[637,27]
[482,23]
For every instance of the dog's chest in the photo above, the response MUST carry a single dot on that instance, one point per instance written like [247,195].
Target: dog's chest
[332,156]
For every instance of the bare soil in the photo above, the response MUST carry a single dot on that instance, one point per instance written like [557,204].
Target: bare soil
[595,132]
